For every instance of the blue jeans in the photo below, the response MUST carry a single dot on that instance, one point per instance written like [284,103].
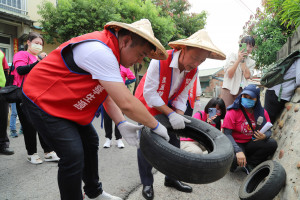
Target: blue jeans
[77,147]
[13,117]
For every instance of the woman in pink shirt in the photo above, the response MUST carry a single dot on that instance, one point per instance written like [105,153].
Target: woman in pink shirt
[24,61]
[251,147]
[192,146]
[125,73]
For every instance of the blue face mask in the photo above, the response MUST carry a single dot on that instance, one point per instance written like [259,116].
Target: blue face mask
[248,103]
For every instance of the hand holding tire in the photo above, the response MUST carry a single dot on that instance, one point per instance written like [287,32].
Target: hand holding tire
[162,131]
[177,121]
[129,132]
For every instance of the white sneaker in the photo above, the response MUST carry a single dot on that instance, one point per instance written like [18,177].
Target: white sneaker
[34,159]
[104,196]
[107,143]
[120,144]
[51,157]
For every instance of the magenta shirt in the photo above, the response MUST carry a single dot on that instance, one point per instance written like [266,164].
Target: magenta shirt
[236,121]
[126,72]
[20,59]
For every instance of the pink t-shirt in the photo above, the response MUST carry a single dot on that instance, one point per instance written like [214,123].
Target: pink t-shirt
[20,59]
[126,72]
[236,121]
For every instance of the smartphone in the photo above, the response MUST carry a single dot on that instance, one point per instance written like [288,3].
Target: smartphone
[212,112]
[243,47]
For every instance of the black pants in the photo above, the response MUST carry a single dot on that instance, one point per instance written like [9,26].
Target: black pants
[108,127]
[145,167]
[189,110]
[30,133]
[272,105]
[257,152]
[77,147]
[4,141]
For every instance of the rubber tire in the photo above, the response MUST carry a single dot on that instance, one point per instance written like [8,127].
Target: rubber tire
[264,182]
[185,166]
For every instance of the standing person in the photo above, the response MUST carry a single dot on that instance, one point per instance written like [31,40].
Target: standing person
[4,141]
[217,103]
[23,62]
[238,69]
[164,89]
[272,104]
[64,91]
[193,102]
[125,73]
[251,147]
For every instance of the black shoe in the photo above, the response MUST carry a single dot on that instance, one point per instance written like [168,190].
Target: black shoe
[178,185]
[6,151]
[148,192]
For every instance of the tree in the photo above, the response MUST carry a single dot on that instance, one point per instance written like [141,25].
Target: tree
[269,37]
[185,23]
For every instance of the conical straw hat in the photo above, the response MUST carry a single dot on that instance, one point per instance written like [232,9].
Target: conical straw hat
[201,40]
[144,29]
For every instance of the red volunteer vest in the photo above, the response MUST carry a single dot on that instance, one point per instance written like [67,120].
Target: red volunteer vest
[192,94]
[165,80]
[61,92]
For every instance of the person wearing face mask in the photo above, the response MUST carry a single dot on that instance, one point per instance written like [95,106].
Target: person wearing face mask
[164,90]
[238,69]
[251,148]
[24,61]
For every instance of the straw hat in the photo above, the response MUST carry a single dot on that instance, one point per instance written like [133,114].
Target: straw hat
[201,40]
[142,28]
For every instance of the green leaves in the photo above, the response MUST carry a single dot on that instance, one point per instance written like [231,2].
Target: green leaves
[169,18]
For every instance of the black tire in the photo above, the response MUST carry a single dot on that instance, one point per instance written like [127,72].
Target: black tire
[264,182]
[184,166]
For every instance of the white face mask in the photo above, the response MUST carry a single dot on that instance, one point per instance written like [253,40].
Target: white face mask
[36,48]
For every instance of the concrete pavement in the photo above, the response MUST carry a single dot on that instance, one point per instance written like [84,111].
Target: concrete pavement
[118,171]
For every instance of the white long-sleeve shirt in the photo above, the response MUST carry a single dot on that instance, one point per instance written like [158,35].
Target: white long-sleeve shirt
[151,95]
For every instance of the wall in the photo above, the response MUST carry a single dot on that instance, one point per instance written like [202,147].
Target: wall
[32,8]
[286,131]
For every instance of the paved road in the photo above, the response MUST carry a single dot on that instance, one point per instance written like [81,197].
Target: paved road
[20,180]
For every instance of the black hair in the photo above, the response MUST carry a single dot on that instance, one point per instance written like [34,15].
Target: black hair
[213,103]
[248,40]
[136,39]
[31,36]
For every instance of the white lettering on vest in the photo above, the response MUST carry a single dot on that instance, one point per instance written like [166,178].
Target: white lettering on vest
[82,103]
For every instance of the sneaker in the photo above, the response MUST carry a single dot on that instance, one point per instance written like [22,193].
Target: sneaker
[104,196]
[51,157]
[107,143]
[34,159]
[21,131]
[120,144]
[13,134]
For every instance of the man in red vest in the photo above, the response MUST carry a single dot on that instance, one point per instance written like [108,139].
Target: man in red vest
[63,92]
[164,89]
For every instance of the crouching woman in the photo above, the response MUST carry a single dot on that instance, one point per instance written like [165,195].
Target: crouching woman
[251,147]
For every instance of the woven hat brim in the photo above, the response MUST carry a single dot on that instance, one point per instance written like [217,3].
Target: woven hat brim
[159,54]
[215,52]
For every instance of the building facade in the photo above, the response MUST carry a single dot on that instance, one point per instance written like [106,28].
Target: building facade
[17,19]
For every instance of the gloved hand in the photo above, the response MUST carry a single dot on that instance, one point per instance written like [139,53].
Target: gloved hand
[129,132]
[197,106]
[162,131]
[177,121]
